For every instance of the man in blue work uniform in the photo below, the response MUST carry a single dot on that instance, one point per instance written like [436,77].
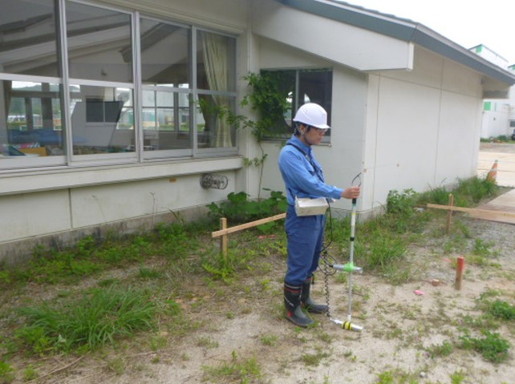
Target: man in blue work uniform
[304,178]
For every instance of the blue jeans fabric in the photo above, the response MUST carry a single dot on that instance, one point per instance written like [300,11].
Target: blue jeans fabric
[305,235]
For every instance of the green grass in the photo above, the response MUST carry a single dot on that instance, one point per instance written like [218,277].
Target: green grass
[149,273]
[458,377]
[314,359]
[243,371]
[269,340]
[501,310]
[441,350]
[396,376]
[6,372]
[382,242]
[95,319]
[91,255]
[492,346]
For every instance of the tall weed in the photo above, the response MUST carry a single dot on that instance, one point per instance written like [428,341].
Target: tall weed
[96,318]
[472,191]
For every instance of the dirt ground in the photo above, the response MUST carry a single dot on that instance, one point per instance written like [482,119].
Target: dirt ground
[243,326]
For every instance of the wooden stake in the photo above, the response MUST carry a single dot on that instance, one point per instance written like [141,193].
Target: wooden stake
[449,214]
[225,231]
[224,240]
[471,210]
[460,266]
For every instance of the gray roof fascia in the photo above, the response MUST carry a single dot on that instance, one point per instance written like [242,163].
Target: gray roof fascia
[402,29]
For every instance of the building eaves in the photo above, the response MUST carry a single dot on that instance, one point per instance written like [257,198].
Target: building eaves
[402,29]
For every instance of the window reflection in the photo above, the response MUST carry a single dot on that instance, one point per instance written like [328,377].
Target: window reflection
[165,57]
[165,63]
[99,43]
[30,111]
[28,38]
[32,125]
[102,120]
[166,120]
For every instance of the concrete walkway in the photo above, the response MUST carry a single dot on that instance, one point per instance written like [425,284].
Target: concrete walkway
[505,156]
[503,207]
[500,209]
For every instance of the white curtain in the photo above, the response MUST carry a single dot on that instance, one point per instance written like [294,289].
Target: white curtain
[215,52]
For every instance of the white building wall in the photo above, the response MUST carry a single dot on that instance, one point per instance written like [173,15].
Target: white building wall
[511,103]
[496,121]
[38,205]
[422,127]
[404,139]
[51,212]
[31,214]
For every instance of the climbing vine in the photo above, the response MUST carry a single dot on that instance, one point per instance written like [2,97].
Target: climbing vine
[270,101]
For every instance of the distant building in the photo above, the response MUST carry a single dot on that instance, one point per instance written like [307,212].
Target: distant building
[498,114]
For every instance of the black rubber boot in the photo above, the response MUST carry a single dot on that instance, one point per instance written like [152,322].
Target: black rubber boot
[306,301]
[294,311]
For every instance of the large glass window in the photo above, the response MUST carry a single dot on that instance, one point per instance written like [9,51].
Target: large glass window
[75,85]
[100,50]
[166,76]
[31,122]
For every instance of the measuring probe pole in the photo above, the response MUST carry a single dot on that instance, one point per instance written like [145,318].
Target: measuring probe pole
[351,255]
[350,267]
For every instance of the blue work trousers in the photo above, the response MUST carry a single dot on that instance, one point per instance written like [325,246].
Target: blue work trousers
[305,236]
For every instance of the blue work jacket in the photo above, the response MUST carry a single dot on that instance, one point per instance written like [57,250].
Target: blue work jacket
[302,173]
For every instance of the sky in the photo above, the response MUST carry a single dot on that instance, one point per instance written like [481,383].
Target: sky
[465,22]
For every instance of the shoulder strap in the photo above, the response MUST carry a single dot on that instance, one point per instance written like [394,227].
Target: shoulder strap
[298,148]
[310,160]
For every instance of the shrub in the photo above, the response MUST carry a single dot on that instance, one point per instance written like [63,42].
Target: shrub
[239,209]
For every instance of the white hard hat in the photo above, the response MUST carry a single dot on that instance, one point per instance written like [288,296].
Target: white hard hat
[313,115]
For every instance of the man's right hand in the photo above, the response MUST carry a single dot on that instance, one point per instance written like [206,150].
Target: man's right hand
[351,192]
